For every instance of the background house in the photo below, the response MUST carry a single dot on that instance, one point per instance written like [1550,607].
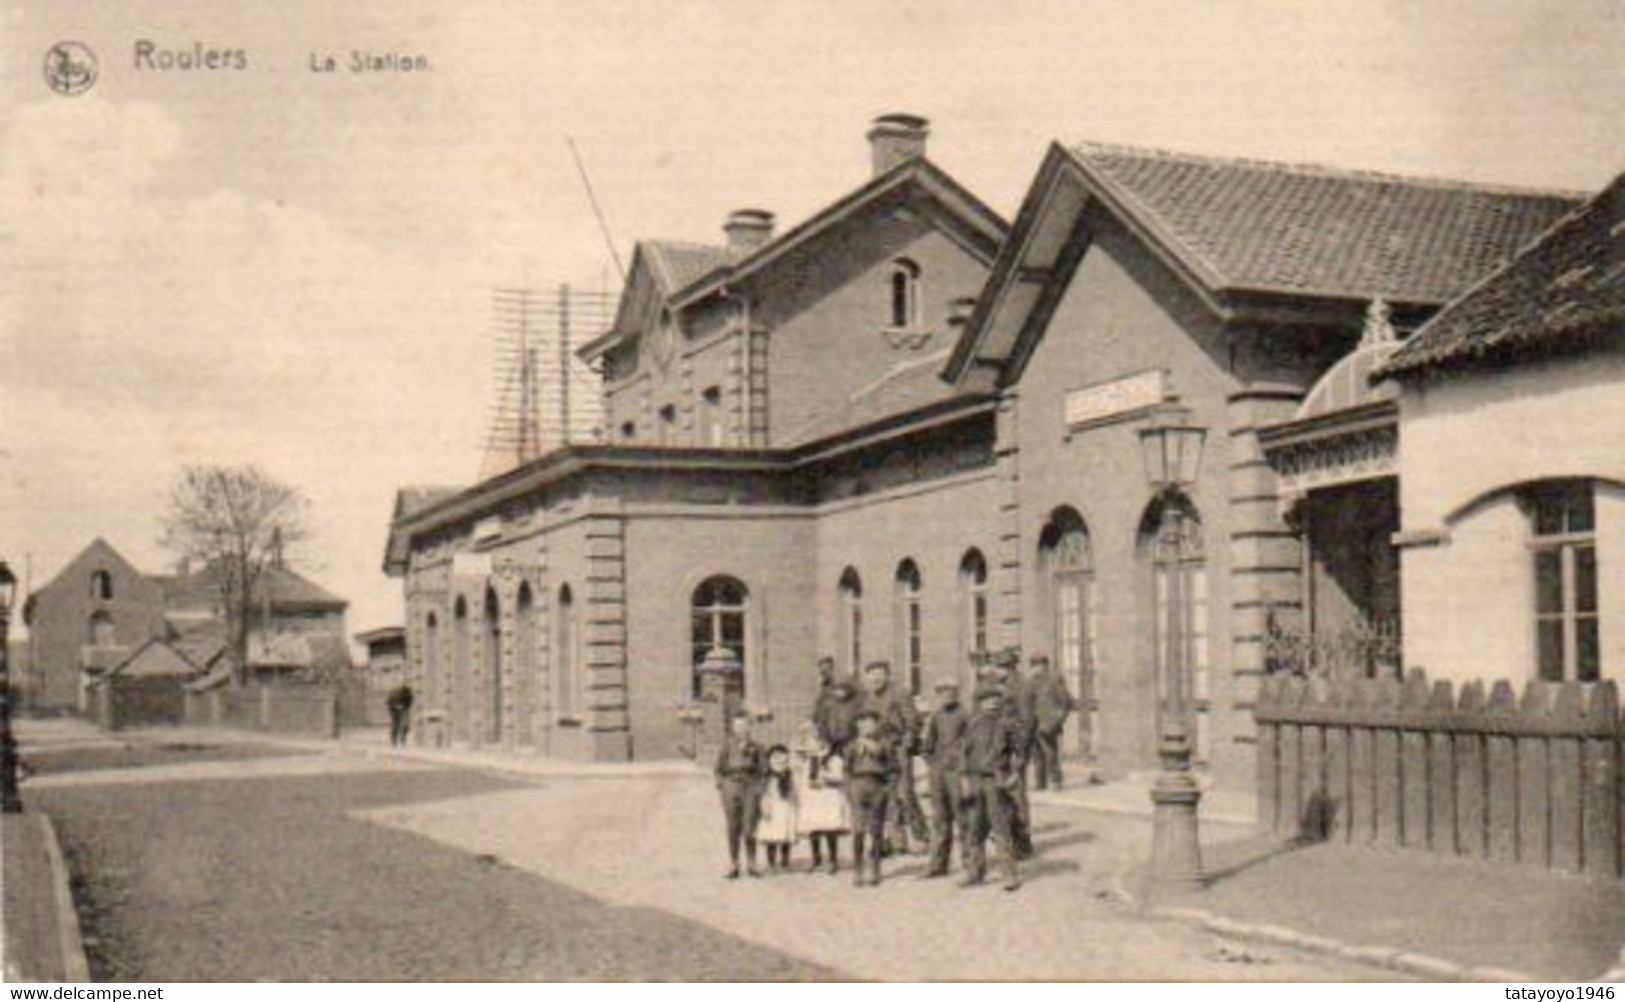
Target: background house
[99,609]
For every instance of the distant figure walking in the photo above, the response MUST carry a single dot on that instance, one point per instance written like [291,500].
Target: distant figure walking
[399,704]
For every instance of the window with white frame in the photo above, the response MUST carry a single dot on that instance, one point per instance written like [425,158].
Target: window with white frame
[1067,558]
[1563,543]
[720,605]
[910,636]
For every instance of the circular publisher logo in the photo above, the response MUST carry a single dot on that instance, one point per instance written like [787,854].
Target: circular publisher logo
[70,68]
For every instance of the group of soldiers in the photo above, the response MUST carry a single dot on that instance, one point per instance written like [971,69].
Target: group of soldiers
[977,760]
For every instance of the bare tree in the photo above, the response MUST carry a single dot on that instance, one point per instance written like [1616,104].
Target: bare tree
[236,521]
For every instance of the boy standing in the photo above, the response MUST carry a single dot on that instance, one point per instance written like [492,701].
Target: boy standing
[739,773]
[990,764]
[871,764]
[944,733]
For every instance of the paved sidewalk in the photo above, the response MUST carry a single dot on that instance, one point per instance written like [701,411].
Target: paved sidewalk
[656,842]
[1441,918]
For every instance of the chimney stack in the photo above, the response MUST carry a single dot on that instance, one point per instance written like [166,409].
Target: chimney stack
[896,139]
[748,229]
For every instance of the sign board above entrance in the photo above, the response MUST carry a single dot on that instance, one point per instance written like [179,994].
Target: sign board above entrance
[1119,398]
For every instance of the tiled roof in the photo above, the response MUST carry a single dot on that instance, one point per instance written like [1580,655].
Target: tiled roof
[1248,225]
[1568,286]
[909,386]
[277,585]
[677,264]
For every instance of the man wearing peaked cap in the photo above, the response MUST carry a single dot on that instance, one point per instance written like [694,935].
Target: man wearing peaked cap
[988,763]
[940,744]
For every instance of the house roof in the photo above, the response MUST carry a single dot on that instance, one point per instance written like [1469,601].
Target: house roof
[411,500]
[1246,236]
[687,273]
[277,585]
[1565,289]
[1310,230]
[908,386]
[677,264]
[155,659]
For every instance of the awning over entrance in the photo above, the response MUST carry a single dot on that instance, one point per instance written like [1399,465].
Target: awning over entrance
[1347,430]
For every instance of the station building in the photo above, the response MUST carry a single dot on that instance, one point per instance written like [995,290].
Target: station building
[904,429]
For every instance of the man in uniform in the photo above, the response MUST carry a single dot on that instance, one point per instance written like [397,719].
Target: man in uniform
[835,716]
[899,727]
[740,769]
[1052,704]
[989,763]
[399,704]
[1018,716]
[871,767]
[940,744]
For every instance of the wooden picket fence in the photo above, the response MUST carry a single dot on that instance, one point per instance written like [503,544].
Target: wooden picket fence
[1535,779]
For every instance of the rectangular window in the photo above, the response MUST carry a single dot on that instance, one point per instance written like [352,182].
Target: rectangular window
[1564,553]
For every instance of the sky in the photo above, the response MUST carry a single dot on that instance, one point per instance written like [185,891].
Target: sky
[293,269]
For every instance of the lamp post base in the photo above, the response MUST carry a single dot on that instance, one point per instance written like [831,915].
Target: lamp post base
[1176,848]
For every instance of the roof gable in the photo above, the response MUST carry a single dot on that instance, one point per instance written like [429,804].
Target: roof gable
[958,212]
[1565,290]
[1238,230]
[155,659]
[1304,230]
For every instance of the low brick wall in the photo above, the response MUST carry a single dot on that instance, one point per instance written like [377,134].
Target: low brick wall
[311,711]
[1532,779]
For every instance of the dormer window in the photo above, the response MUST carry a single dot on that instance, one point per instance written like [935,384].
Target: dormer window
[905,294]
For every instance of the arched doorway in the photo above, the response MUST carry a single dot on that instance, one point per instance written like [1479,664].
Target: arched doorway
[1066,561]
[493,668]
[973,599]
[1171,546]
[433,686]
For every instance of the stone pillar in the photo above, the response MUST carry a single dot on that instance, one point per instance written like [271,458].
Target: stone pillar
[604,632]
[1007,561]
[1265,570]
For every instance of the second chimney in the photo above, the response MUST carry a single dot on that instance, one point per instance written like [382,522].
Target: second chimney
[896,139]
[748,229]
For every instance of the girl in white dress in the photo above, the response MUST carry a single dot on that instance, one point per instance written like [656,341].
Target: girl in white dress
[822,816]
[776,828]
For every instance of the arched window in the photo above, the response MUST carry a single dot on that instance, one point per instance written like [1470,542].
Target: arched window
[719,606]
[1171,537]
[433,685]
[524,662]
[851,595]
[461,671]
[910,645]
[905,294]
[1066,561]
[1563,545]
[101,629]
[101,586]
[564,651]
[974,600]
[493,667]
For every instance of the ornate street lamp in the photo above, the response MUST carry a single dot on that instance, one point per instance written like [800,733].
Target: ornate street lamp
[1171,446]
[10,801]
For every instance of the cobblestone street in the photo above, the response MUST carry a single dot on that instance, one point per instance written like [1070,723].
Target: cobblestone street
[267,877]
[341,867]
